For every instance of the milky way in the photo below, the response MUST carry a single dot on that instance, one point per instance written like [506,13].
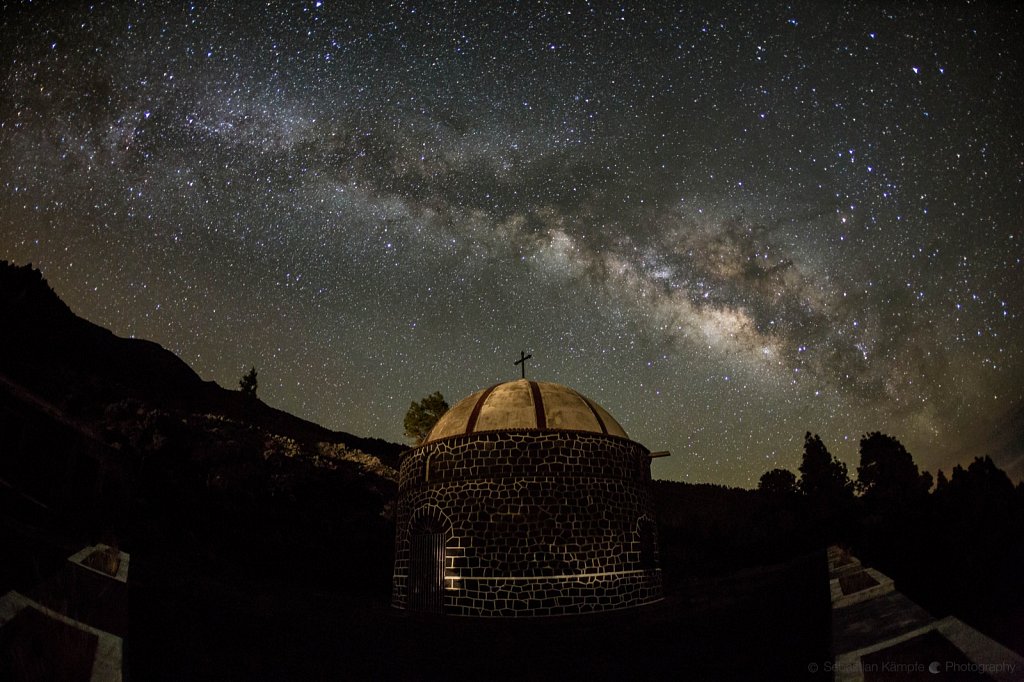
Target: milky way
[727,225]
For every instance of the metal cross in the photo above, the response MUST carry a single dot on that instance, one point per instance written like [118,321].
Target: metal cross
[523,357]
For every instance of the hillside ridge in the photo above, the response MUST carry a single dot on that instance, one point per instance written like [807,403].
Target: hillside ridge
[80,367]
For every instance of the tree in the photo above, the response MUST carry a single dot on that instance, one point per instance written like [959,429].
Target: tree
[778,482]
[821,474]
[983,489]
[826,486]
[422,416]
[248,383]
[887,471]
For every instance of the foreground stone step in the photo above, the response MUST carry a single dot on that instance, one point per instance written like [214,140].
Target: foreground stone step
[879,634]
[70,626]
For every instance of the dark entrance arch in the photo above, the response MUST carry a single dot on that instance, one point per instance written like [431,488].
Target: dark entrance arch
[428,536]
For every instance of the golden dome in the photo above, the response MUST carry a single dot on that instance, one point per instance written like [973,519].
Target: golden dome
[523,404]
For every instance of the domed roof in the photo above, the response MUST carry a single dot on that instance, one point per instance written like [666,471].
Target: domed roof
[524,404]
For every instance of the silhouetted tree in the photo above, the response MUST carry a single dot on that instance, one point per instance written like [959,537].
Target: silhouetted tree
[422,416]
[821,474]
[778,483]
[827,491]
[887,473]
[248,383]
[981,490]
[896,511]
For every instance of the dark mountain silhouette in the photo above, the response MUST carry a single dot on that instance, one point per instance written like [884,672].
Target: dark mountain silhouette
[81,368]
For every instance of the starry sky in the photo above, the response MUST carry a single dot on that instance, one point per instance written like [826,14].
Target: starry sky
[727,222]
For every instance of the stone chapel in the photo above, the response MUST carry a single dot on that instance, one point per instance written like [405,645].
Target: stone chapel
[526,499]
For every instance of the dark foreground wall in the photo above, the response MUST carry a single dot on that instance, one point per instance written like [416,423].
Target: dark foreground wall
[525,523]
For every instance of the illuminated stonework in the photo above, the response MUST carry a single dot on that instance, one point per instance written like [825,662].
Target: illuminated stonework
[526,521]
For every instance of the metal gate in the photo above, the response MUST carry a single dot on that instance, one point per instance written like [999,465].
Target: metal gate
[426,572]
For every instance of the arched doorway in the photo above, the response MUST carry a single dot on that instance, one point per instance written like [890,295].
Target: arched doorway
[427,541]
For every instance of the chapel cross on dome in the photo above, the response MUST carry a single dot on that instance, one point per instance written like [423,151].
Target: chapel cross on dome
[523,357]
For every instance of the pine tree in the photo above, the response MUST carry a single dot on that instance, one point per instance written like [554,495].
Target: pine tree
[248,383]
[422,416]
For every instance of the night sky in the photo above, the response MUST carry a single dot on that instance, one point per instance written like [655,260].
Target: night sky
[727,222]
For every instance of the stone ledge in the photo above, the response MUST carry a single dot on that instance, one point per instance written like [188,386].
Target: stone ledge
[106,666]
[121,575]
[840,599]
[841,562]
[981,649]
[992,658]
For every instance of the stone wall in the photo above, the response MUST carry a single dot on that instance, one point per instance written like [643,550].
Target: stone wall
[534,522]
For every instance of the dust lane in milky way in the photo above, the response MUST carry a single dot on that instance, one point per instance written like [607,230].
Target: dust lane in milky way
[727,225]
